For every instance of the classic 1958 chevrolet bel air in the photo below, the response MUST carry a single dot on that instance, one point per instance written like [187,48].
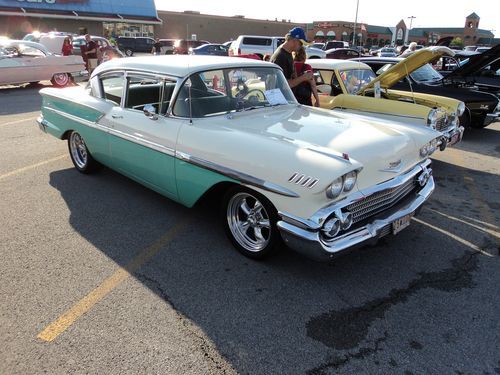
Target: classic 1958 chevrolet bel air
[184,126]
[350,86]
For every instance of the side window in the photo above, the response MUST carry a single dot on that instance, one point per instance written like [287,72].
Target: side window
[30,51]
[146,90]
[112,87]
[336,88]
[197,93]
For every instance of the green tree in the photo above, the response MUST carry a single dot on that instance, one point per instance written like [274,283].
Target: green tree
[457,42]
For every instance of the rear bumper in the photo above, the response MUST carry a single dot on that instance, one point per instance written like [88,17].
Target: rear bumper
[308,241]
[42,124]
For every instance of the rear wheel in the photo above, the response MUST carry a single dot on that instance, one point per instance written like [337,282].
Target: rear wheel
[61,79]
[250,223]
[80,155]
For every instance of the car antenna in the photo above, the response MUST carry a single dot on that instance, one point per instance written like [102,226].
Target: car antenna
[189,97]
[409,81]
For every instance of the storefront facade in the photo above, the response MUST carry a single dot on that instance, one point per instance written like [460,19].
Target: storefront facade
[98,17]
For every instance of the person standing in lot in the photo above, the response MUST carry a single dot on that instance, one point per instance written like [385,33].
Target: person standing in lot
[156,50]
[411,48]
[67,47]
[91,54]
[294,40]
[304,90]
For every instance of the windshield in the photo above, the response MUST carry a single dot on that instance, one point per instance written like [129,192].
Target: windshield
[355,79]
[217,92]
[426,73]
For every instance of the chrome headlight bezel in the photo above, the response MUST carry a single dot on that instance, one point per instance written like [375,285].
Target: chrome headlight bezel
[350,180]
[335,188]
[432,118]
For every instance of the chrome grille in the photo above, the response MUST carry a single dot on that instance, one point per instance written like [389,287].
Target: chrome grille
[385,231]
[442,123]
[379,201]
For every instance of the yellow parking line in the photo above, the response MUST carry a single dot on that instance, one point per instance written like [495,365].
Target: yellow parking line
[27,168]
[53,330]
[18,121]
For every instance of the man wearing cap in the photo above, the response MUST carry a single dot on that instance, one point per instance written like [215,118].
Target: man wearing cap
[283,56]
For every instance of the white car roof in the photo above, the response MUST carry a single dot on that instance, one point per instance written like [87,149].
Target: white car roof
[329,64]
[15,43]
[179,65]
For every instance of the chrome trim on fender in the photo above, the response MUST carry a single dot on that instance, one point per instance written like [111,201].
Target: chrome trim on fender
[79,119]
[236,175]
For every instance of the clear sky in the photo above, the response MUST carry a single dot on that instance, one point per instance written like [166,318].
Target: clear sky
[437,13]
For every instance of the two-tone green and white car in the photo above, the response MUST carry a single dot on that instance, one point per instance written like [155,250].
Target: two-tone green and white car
[185,126]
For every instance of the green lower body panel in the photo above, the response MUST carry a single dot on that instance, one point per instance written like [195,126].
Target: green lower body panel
[193,181]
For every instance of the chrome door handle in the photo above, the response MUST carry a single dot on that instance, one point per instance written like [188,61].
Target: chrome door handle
[116,116]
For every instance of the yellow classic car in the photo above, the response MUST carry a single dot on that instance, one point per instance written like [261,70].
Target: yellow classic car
[353,87]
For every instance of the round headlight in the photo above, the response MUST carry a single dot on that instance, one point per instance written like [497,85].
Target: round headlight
[432,118]
[461,108]
[334,190]
[331,228]
[350,180]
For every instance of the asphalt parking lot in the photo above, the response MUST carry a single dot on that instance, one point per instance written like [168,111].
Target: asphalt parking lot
[101,275]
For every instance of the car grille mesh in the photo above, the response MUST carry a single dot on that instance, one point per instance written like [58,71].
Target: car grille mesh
[379,201]
[442,124]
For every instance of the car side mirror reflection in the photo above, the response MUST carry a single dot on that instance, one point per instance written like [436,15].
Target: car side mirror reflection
[150,112]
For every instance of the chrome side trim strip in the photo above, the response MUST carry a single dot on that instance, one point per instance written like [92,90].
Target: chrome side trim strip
[143,142]
[236,175]
[79,119]
[380,113]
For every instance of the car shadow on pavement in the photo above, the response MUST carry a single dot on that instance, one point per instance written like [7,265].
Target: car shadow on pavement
[287,314]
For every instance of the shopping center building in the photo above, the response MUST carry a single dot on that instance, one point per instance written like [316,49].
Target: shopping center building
[98,17]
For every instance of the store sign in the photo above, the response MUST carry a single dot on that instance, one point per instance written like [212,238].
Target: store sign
[52,1]
[139,8]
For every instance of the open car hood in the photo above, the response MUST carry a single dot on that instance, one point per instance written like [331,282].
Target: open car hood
[477,62]
[405,67]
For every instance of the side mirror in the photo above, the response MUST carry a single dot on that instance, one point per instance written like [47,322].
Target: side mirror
[150,112]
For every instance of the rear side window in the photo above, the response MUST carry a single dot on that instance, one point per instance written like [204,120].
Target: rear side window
[257,41]
[112,87]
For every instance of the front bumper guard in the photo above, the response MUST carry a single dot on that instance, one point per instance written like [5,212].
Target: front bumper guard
[309,243]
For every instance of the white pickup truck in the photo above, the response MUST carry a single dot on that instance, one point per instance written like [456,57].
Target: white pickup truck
[266,45]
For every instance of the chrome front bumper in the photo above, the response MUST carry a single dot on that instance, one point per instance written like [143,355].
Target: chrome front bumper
[491,118]
[452,137]
[304,236]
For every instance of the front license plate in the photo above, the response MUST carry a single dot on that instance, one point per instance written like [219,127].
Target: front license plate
[400,224]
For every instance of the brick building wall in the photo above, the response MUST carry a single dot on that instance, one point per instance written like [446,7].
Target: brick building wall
[216,29]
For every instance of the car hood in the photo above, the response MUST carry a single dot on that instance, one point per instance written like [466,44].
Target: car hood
[476,63]
[338,142]
[405,67]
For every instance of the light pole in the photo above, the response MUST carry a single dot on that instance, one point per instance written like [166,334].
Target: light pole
[411,18]
[355,22]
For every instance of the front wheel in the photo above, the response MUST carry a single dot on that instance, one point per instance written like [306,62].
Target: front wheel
[80,155]
[61,79]
[250,223]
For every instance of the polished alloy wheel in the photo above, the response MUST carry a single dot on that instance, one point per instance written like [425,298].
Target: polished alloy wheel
[78,150]
[249,222]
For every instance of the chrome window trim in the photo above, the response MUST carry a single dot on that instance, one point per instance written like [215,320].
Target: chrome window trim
[236,175]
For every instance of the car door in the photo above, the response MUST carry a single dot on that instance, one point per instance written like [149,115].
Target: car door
[143,147]
[12,67]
